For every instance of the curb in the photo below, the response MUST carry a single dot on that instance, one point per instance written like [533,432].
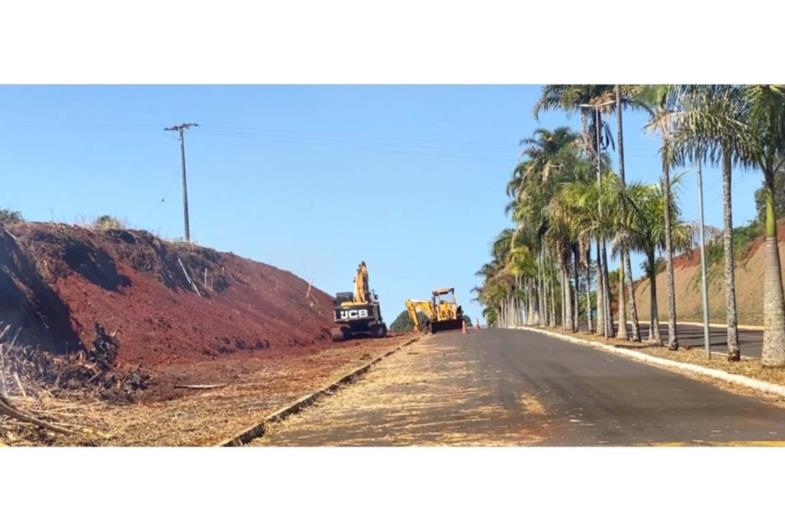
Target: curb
[745,381]
[259,429]
[748,328]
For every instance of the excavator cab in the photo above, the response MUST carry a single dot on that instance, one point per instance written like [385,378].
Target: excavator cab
[357,313]
[448,313]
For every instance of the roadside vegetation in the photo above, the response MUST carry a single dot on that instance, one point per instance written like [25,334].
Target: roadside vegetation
[573,210]
[9,217]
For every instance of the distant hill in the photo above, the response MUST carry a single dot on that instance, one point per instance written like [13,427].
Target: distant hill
[749,284]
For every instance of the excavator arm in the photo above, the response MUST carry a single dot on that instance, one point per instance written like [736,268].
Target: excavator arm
[415,307]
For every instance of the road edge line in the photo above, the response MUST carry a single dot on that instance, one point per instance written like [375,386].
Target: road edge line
[649,359]
[260,428]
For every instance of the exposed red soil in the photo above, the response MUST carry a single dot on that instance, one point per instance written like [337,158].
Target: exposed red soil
[749,275]
[64,279]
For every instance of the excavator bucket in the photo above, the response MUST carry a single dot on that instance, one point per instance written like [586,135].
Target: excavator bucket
[446,324]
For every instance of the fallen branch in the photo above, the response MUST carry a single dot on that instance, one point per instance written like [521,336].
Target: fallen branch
[6,408]
[187,277]
[199,386]
[19,385]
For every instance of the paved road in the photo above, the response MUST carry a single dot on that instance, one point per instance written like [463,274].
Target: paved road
[750,341]
[514,387]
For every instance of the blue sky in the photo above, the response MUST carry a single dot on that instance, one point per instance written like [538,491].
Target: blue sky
[312,179]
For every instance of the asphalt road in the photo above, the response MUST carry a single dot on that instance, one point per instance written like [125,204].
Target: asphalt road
[517,387]
[750,341]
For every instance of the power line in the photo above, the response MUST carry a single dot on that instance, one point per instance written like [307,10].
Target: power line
[180,130]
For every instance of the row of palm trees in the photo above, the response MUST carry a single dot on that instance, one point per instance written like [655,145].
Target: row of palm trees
[572,210]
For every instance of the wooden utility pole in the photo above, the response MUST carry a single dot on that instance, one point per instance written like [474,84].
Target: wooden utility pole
[180,129]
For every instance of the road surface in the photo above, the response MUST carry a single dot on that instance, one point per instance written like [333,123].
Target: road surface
[517,387]
[750,341]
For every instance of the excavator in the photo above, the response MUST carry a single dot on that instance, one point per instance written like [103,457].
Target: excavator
[441,313]
[357,313]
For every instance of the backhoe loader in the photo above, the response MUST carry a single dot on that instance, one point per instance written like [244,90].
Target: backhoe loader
[442,312]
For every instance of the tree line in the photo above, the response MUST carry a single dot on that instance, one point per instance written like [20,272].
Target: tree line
[573,211]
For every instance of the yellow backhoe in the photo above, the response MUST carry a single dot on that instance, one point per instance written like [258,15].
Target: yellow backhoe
[441,313]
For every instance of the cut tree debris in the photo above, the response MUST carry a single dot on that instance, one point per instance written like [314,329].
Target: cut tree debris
[6,408]
[199,386]
[94,370]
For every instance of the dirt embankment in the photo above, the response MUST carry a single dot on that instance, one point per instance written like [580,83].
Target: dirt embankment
[168,302]
[749,286]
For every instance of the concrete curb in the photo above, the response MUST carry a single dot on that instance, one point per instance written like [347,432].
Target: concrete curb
[745,381]
[748,328]
[259,429]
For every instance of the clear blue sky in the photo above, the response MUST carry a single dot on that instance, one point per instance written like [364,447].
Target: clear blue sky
[312,179]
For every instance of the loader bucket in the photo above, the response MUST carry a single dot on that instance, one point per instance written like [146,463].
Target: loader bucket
[446,324]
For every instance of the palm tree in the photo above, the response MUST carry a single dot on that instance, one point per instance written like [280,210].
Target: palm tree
[596,137]
[550,158]
[765,113]
[660,103]
[709,126]
[625,269]
[643,227]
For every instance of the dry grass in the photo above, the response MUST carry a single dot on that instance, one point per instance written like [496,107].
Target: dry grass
[424,396]
[199,419]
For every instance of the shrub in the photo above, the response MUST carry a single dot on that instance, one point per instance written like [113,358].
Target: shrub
[107,222]
[8,217]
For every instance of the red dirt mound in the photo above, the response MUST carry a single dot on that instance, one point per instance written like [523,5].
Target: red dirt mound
[168,302]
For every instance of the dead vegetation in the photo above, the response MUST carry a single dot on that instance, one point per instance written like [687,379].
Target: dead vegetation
[242,392]
[30,370]
[31,380]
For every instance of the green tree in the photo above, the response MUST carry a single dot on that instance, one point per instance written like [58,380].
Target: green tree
[8,217]
[765,119]
[779,197]
[708,125]
[660,104]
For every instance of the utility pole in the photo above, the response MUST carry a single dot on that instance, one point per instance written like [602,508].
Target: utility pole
[181,129]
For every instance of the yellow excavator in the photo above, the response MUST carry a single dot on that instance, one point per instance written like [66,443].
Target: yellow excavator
[357,313]
[441,313]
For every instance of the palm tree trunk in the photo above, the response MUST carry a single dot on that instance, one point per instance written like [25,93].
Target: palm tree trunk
[654,315]
[552,305]
[734,352]
[568,321]
[563,301]
[542,305]
[673,342]
[600,294]
[588,289]
[773,300]
[636,331]
[551,278]
[622,333]
[624,263]
[607,299]
[576,305]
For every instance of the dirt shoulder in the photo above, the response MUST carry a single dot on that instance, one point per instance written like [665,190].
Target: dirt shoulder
[251,388]
[436,392]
